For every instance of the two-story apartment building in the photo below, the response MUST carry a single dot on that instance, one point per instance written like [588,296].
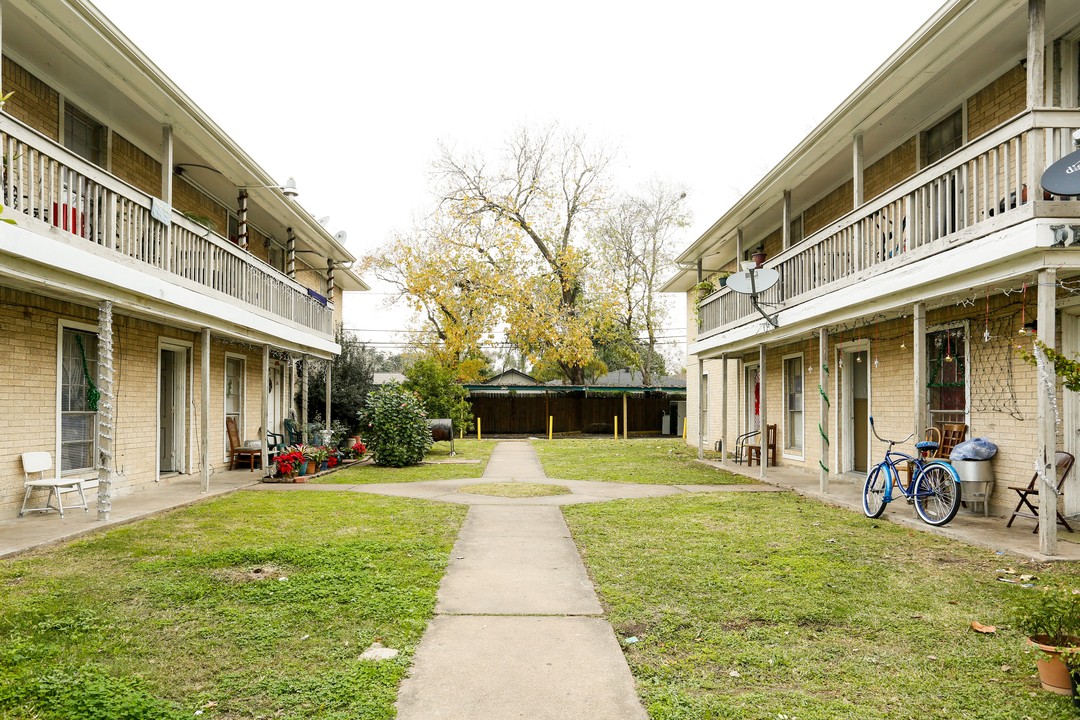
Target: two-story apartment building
[154,280]
[916,250]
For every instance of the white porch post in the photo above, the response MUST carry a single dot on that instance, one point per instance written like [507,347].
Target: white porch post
[106,420]
[204,419]
[700,407]
[723,408]
[738,246]
[823,412]
[242,223]
[1047,427]
[918,372]
[763,406]
[1036,43]
[329,368]
[167,187]
[265,397]
[857,170]
[787,219]
[304,398]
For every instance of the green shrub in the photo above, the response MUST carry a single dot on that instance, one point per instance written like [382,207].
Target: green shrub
[394,426]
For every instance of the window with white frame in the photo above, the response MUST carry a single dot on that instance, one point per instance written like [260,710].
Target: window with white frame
[944,138]
[78,400]
[793,409]
[83,135]
[234,392]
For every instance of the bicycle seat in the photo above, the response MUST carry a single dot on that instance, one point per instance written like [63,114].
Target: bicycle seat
[926,446]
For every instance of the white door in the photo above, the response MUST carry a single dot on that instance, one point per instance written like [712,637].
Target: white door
[172,410]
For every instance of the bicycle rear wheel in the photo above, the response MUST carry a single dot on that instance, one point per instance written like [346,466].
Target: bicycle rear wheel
[937,493]
[873,495]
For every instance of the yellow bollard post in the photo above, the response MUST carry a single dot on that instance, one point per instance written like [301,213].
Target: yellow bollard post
[616,427]
[684,429]
[478,429]
[551,425]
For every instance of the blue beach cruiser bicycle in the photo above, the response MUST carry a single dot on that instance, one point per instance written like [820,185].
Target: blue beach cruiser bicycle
[934,488]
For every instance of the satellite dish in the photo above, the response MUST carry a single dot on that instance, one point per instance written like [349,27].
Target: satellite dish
[1063,177]
[323,220]
[763,279]
[340,236]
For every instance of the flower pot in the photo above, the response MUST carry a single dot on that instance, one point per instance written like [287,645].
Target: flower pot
[1053,673]
[312,467]
[759,258]
[323,465]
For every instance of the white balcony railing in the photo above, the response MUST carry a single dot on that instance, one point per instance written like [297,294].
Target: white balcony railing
[989,177]
[44,181]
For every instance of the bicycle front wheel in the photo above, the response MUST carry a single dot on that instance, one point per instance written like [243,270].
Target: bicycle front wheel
[873,494]
[937,493]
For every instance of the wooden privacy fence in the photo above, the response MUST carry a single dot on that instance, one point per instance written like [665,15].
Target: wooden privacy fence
[521,414]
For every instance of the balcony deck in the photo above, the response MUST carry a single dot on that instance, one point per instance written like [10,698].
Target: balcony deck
[976,192]
[46,189]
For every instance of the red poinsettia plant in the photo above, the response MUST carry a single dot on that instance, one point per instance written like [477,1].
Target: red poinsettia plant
[358,450]
[289,462]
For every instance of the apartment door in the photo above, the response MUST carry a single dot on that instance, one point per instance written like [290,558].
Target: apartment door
[752,394]
[277,400]
[855,416]
[172,409]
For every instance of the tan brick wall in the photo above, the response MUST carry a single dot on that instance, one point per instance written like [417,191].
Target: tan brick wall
[189,199]
[774,242]
[997,102]
[132,165]
[828,209]
[1002,405]
[33,102]
[896,166]
[28,384]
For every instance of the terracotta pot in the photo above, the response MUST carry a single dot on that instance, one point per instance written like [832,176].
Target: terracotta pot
[312,467]
[1053,673]
[758,257]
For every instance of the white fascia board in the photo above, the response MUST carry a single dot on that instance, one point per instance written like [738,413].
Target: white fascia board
[997,257]
[50,260]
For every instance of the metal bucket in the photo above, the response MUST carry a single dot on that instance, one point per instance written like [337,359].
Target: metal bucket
[442,430]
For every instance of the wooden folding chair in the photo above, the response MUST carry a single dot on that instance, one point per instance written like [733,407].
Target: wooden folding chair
[753,452]
[1063,461]
[38,473]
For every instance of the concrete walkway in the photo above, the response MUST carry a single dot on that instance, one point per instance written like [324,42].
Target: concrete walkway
[518,631]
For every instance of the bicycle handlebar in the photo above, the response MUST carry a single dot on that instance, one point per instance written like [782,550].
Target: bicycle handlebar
[890,442]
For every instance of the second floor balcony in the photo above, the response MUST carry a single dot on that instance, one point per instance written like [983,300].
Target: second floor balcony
[980,190]
[48,189]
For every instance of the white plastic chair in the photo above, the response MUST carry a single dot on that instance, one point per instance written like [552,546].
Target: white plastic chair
[39,464]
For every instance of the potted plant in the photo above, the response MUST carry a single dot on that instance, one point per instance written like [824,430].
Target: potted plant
[288,464]
[311,454]
[1050,618]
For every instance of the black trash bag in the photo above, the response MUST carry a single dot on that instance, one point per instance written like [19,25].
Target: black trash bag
[974,449]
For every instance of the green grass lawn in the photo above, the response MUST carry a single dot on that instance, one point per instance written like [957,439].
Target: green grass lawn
[254,605]
[479,450]
[653,461]
[772,606]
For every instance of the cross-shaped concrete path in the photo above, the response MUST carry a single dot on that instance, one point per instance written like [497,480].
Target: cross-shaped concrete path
[519,631]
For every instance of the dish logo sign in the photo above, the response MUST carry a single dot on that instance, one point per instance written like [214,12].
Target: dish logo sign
[1075,167]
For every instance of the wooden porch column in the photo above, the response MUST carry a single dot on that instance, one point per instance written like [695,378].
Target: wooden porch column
[290,254]
[763,412]
[700,274]
[204,413]
[106,420]
[738,247]
[701,405]
[265,410]
[241,214]
[330,281]
[625,417]
[723,407]
[1047,422]
[857,170]
[918,371]
[787,219]
[1036,43]
[823,382]
[303,397]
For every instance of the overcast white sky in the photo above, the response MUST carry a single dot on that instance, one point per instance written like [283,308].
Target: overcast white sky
[352,98]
